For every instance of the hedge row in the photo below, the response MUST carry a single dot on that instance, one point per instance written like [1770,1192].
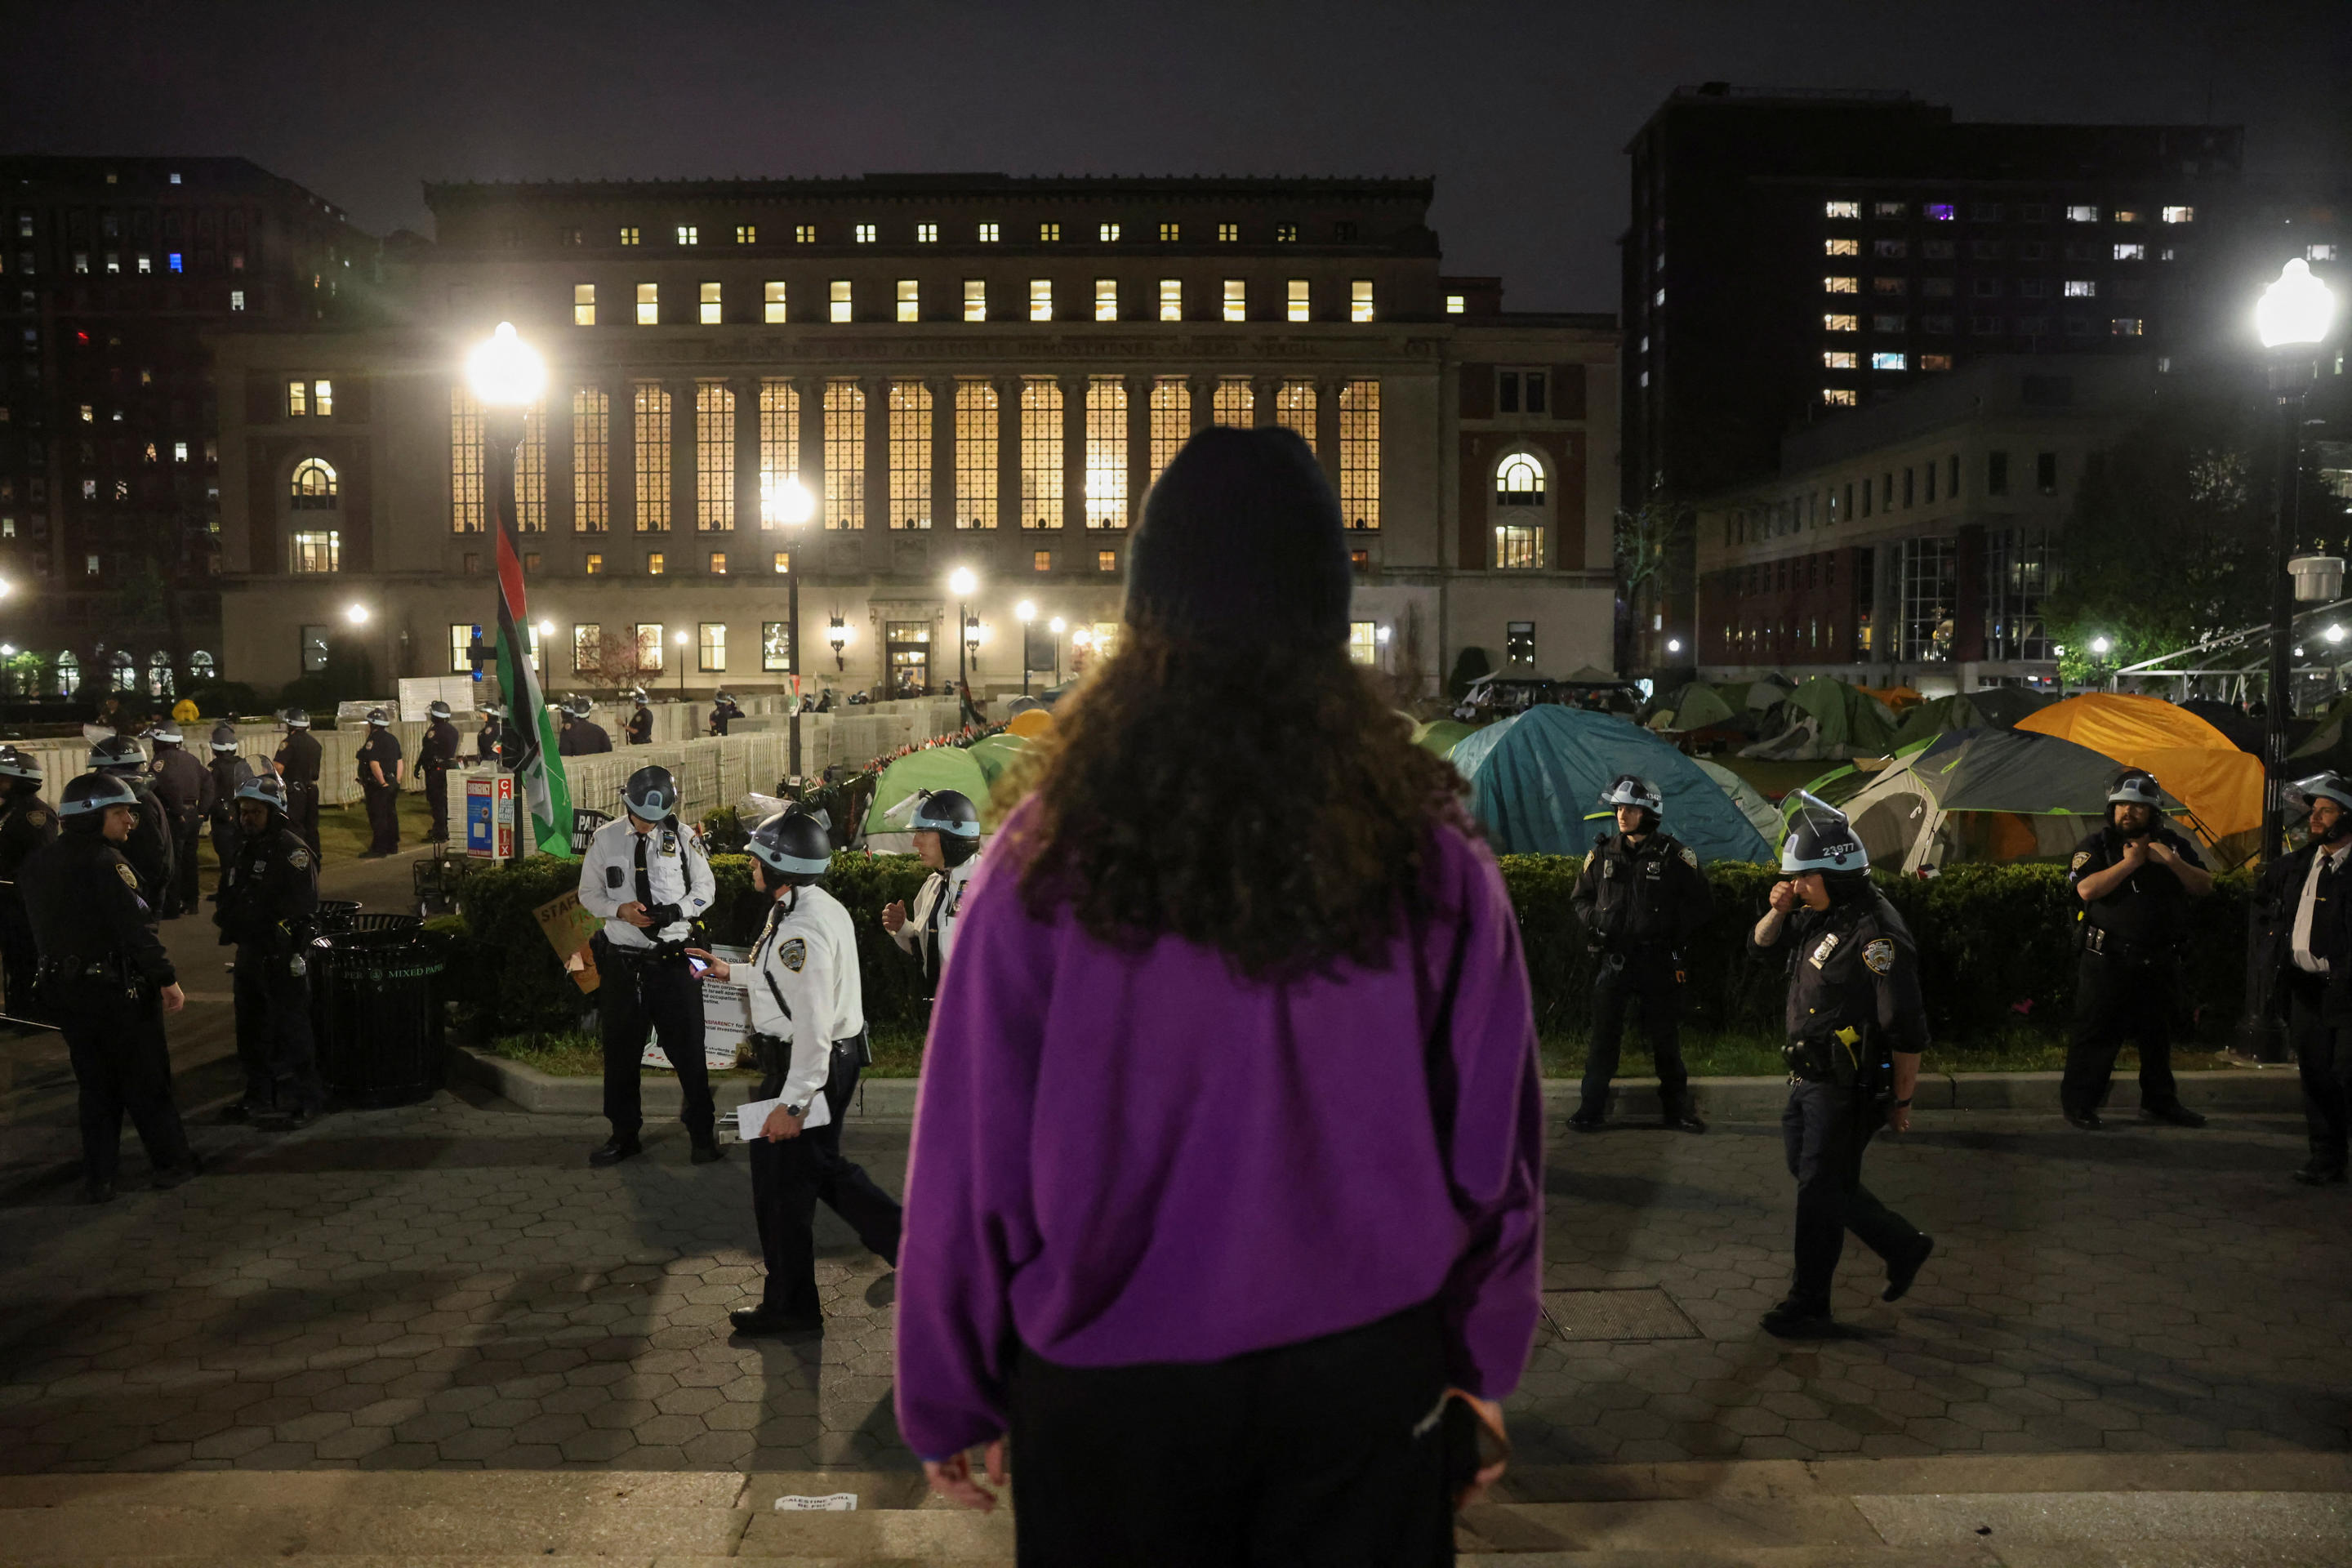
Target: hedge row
[1997,946]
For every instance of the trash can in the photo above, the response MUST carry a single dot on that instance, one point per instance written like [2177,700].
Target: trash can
[335,914]
[375,1006]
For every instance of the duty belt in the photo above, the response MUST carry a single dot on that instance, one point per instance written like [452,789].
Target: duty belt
[2120,949]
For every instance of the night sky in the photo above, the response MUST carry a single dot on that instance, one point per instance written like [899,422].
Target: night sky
[1520,111]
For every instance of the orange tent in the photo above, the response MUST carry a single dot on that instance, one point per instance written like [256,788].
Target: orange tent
[1896,698]
[2194,762]
[1032,722]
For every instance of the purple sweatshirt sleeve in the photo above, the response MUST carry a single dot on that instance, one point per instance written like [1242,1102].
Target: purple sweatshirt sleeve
[968,1221]
[1491,1300]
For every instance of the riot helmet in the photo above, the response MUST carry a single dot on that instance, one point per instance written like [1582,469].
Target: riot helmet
[296,719]
[16,765]
[118,756]
[2136,786]
[165,734]
[793,845]
[378,719]
[436,708]
[1821,839]
[85,801]
[1632,789]
[951,815]
[224,739]
[268,789]
[651,795]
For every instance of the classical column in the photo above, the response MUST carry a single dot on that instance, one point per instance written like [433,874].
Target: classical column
[945,513]
[1327,427]
[749,522]
[620,469]
[683,551]
[878,552]
[1073,455]
[1264,389]
[1203,389]
[1139,445]
[556,428]
[810,456]
[1008,455]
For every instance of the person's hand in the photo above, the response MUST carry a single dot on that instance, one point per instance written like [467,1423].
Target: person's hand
[635,913]
[2135,852]
[173,997]
[719,969]
[894,915]
[1898,1119]
[1784,896]
[780,1126]
[1487,1474]
[951,1476]
[2160,852]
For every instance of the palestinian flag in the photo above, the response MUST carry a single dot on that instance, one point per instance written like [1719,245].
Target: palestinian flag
[540,785]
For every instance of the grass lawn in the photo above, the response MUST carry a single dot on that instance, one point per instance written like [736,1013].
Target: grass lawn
[343,832]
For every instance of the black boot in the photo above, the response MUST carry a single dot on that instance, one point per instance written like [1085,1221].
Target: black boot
[2175,1112]
[707,1150]
[1681,1117]
[2319,1172]
[764,1320]
[1588,1118]
[2083,1117]
[1900,1272]
[1795,1320]
[616,1149]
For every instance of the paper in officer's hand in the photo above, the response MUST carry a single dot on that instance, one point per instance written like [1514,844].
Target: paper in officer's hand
[752,1115]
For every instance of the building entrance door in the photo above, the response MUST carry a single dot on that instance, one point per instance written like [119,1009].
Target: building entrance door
[906,649]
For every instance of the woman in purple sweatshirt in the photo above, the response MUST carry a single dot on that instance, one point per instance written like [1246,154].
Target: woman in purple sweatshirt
[1227,1162]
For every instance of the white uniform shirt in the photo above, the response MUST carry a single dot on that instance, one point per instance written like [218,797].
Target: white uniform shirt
[2327,862]
[676,868]
[805,985]
[942,891]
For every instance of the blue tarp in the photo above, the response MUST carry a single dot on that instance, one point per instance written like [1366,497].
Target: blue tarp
[1535,781]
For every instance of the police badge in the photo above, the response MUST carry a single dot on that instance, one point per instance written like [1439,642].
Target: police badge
[795,955]
[1878,956]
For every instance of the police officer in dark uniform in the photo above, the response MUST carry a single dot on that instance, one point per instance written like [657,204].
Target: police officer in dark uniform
[185,787]
[641,720]
[723,712]
[106,978]
[298,763]
[2304,901]
[2134,878]
[485,739]
[1641,895]
[1856,1025]
[228,770]
[149,848]
[378,760]
[27,826]
[437,755]
[268,902]
[585,737]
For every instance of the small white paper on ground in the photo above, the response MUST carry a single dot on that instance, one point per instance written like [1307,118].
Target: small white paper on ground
[835,1502]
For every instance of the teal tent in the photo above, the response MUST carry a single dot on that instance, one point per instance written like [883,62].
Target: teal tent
[1535,781]
[1761,814]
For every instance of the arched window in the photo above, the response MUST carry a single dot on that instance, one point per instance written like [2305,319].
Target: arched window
[1519,481]
[313,486]
[201,669]
[159,674]
[68,673]
[123,672]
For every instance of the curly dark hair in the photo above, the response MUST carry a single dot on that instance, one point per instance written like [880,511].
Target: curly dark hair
[1261,800]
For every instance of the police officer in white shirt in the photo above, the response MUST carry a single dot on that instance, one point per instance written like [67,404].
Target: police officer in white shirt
[646,877]
[808,1024]
[947,838]
[2306,898]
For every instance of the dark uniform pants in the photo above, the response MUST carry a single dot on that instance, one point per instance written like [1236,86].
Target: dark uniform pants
[302,813]
[661,994]
[185,831]
[437,800]
[20,959]
[1650,977]
[274,1042]
[1826,1130]
[123,1065]
[2117,1000]
[1317,1454]
[383,817]
[2324,1058]
[224,835]
[789,1178]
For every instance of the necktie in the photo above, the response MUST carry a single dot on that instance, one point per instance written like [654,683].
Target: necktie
[644,882]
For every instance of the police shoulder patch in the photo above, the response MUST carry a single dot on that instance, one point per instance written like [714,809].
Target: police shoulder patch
[2082,858]
[38,818]
[1878,955]
[1690,856]
[795,955]
[130,878]
[299,859]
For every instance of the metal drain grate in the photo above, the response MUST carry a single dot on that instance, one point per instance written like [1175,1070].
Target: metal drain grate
[1639,1312]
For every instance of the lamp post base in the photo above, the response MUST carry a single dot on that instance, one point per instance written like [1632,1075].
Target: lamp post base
[2259,1043]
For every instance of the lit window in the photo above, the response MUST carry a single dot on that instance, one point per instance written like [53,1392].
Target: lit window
[1841,247]
[2125,327]
[1105,300]
[2181,215]
[1171,420]
[862,234]
[1838,396]
[174,260]
[714,455]
[1107,452]
[926,234]
[657,564]
[838,304]
[1049,233]
[803,234]
[1293,409]
[747,234]
[1236,299]
[650,635]
[322,399]
[583,304]
[1888,209]
[772,304]
[1107,234]
[2128,214]
[464,462]
[975,453]
[911,455]
[89,565]
[587,646]
[1041,452]
[591,455]
[1453,303]
[298,400]
[1934,361]
[648,304]
[988,233]
[1888,361]
[1359,299]
[179,451]
[237,298]
[1363,642]
[2081,289]
[710,311]
[1041,561]
[911,300]
[2131,253]
[1360,454]
[780,439]
[81,262]
[1937,211]
[114,265]
[1170,234]
[651,429]
[312,551]
[711,645]
[1234,403]
[1840,209]
[844,455]
[1837,359]
[1518,548]
[2322,253]
[687,234]
[1286,232]
[312,486]
[1519,481]
[975,300]
[629,235]
[595,565]
[1296,300]
[1842,285]
[1041,299]
[146,264]
[1172,299]
[781,561]
[2082,215]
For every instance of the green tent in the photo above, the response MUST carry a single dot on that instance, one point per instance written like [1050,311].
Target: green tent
[1695,706]
[939,767]
[996,753]
[1827,718]
[1441,735]
[1759,812]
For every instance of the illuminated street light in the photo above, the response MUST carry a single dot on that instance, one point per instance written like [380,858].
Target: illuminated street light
[837,634]
[2296,310]
[2099,646]
[2335,634]
[356,614]
[506,372]
[785,501]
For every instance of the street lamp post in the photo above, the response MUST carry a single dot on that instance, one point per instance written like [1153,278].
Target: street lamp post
[1056,626]
[1024,611]
[679,639]
[789,503]
[506,377]
[961,583]
[2293,319]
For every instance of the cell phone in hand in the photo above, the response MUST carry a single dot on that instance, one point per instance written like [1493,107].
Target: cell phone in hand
[699,968]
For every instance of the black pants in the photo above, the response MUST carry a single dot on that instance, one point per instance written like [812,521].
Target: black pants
[1652,979]
[788,1179]
[660,994]
[123,1064]
[2115,1001]
[20,959]
[435,780]
[1321,1452]
[1826,1130]
[302,813]
[2324,1059]
[274,1042]
[224,835]
[185,834]
[383,817]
